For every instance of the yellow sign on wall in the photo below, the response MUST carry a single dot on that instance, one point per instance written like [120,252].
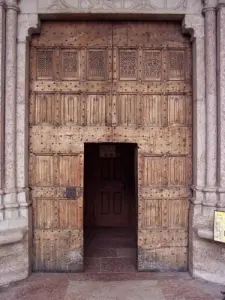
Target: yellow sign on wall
[219,226]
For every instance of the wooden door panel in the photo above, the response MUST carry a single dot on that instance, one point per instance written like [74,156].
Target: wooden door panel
[70,90]
[153,99]
[111,206]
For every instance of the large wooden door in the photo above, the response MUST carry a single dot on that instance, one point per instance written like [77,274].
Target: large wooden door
[110,82]
[111,202]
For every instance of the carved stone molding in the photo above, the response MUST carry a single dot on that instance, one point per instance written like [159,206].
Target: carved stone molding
[12,4]
[209,4]
[128,5]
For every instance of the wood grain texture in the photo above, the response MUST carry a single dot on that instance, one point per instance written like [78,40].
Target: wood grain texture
[110,82]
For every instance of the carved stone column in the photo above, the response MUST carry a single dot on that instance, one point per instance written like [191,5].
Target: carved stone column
[26,22]
[2,100]
[221,100]
[194,25]
[10,201]
[211,103]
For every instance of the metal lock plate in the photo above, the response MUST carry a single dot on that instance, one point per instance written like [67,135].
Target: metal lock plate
[71,192]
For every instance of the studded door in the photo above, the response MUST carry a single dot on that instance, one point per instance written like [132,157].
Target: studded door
[110,82]
[153,99]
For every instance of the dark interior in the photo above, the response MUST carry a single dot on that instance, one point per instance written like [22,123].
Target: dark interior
[110,193]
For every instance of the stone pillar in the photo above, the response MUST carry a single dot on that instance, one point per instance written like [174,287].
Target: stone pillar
[2,101]
[194,24]
[26,23]
[211,103]
[10,201]
[221,100]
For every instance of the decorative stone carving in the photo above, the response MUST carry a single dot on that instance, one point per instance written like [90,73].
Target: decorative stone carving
[113,4]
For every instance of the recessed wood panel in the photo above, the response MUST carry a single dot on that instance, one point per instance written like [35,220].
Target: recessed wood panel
[97,64]
[43,108]
[152,65]
[127,109]
[70,64]
[69,170]
[177,169]
[71,106]
[176,64]
[45,213]
[43,170]
[44,61]
[153,110]
[179,110]
[127,64]
[164,213]
[155,171]
[96,110]
[68,214]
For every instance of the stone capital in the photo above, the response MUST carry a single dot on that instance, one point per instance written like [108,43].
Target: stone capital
[221,3]
[12,4]
[209,5]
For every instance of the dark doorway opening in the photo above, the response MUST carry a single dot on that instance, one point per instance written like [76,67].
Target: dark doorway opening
[110,207]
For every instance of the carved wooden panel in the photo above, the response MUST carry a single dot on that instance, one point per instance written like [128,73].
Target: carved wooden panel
[70,64]
[110,82]
[152,66]
[176,65]
[97,64]
[128,64]
[45,63]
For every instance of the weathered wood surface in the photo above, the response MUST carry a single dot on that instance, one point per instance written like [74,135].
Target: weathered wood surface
[110,82]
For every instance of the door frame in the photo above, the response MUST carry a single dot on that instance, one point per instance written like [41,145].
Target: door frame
[134,160]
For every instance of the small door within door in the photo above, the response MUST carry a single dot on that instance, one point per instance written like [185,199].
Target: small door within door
[111,205]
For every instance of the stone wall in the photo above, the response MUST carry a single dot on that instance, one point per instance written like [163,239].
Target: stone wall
[205,22]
